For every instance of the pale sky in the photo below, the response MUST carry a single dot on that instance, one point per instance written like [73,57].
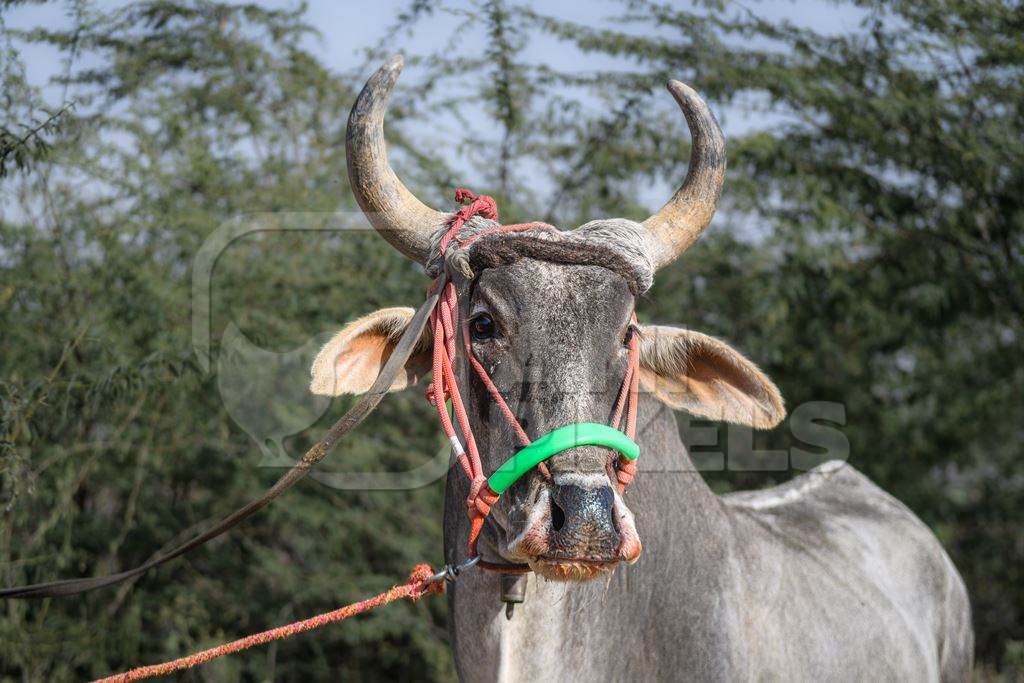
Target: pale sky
[348,27]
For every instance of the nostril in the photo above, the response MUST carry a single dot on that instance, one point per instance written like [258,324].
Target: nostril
[557,516]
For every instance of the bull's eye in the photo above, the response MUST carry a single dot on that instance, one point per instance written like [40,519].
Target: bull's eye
[630,331]
[482,327]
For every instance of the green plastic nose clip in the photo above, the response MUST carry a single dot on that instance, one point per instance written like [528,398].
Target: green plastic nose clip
[561,439]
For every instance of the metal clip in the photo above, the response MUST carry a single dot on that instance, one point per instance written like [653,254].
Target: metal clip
[451,572]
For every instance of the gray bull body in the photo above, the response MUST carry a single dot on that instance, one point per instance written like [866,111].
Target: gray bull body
[826,577]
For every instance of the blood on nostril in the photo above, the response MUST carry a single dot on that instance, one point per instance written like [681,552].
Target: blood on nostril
[557,516]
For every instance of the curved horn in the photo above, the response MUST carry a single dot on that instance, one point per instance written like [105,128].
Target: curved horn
[681,221]
[402,219]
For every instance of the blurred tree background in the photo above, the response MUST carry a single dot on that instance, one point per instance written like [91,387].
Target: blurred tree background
[869,251]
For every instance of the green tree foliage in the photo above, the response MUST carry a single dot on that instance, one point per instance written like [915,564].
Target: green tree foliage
[115,442]
[868,252]
[26,124]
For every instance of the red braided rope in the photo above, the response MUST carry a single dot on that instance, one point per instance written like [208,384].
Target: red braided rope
[413,590]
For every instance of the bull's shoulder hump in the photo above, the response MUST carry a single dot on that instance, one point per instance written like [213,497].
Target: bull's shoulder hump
[811,484]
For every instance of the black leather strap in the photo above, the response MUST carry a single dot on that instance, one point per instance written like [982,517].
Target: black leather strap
[348,422]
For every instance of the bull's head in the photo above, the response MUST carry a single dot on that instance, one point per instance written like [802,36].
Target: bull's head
[549,317]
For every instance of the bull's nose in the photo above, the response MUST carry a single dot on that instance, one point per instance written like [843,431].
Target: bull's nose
[583,522]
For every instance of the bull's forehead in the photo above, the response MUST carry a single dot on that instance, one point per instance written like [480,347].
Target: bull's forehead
[558,300]
[560,351]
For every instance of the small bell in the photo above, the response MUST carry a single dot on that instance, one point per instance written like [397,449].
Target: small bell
[513,591]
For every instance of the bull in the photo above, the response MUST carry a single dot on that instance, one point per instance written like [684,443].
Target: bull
[826,577]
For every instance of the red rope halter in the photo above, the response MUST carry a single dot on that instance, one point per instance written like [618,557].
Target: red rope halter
[445,323]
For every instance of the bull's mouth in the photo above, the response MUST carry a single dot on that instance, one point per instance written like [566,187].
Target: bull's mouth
[571,569]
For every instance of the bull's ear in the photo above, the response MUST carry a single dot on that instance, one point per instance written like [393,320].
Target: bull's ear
[691,371]
[351,361]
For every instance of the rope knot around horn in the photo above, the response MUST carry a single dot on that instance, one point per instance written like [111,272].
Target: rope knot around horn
[470,240]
